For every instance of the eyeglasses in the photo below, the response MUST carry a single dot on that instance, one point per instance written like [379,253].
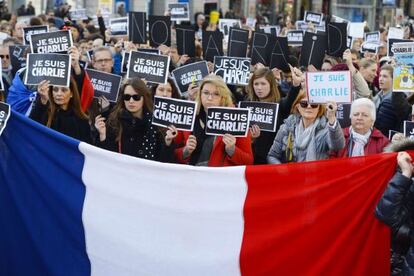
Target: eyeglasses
[107,60]
[135,97]
[4,56]
[207,94]
[305,104]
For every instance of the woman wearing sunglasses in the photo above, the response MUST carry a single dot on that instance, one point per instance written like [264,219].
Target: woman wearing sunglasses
[307,134]
[198,148]
[129,129]
[263,88]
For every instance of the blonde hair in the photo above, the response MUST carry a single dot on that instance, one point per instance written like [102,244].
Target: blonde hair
[224,91]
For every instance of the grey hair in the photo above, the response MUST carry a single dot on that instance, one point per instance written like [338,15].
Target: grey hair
[367,103]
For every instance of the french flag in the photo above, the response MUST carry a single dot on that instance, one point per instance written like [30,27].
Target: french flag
[69,208]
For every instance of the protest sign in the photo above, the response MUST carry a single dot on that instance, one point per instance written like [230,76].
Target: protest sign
[237,44]
[226,24]
[28,31]
[403,76]
[212,45]
[118,26]
[337,38]
[279,53]
[273,30]
[223,120]
[259,53]
[396,33]
[54,42]
[4,115]
[125,59]
[391,47]
[149,50]
[329,86]
[190,73]
[295,37]
[185,41]
[179,11]
[301,25]
[151,67]
[169,111]
[78,14]
[314,52]
[356,29]
[18,57]
[262,114]
[159,30]
[52,67]
[233,70]
[372,37]
[409,129]
[370,47]
[251,22]
[105,84]
[313,17]
[90,54]
[343,115]
[137,22]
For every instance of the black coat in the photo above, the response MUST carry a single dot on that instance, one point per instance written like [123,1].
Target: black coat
[396,208]
[65,122]
[139,138]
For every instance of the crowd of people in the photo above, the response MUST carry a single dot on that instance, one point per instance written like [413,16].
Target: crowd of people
[305,131]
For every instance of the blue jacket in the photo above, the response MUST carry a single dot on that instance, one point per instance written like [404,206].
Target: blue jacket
[20,97]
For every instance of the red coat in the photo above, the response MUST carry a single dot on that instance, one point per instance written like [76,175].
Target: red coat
[376,143]
[243,154]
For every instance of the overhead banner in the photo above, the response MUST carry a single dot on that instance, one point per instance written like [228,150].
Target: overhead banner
[262,114]
[28,31]
[233,70]
[151,67]
[226,120]
[323,87]
[105,84]
[179,11]
[54,42]
[52,67]
[179,113]
[190,73]
[118,26]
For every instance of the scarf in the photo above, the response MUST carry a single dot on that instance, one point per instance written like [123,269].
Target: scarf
[359,142]
[304,140]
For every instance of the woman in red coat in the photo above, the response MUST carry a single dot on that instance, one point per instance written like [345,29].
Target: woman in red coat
[198,148]
[361,138]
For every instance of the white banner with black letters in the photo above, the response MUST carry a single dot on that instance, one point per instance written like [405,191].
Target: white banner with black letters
[233,70]
[54,42]
[151,67]
[262,114]
[105,84]
[169,111]
[227,120]
[52,67]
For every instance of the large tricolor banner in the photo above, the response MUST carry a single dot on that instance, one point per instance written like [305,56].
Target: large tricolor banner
[69,208]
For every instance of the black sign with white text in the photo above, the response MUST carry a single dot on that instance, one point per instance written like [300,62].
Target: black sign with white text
[391,42]
[409,129]
[151,67]
[119,26]
[4,115]
[159,30]
[262,114]
[233,70]
[372,37]
[212,45]
[185,41]
[137,22]
[227,120]
[191,73]
[179,11]
[314,17]
[343,115]
[238,42]
[28,31]
[180,113]
[125,60]
[105,84]
[295,37]
[17,57]
[54,42]
[52,67]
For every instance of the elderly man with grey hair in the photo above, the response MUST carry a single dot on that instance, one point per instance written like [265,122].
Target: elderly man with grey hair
[361,138]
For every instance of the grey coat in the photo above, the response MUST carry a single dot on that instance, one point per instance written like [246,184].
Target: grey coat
[326,139]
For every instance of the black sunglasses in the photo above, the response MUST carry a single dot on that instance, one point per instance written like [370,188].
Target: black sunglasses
[304,104]
[135,97]
[4,56]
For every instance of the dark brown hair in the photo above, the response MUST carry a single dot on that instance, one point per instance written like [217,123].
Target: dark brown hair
[274,95]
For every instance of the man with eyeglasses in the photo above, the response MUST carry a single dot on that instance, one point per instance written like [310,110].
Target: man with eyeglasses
[102,60]
[6,68]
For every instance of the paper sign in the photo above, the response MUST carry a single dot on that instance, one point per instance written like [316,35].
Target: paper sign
[119,26]
[343,115]
[105,84]
[137,27]
[169,111]
[17,57]
[54,42]
[151,67]
[28,31]
[212,45]
[226,24]
[273,30]
[179,11]
[409,129]
[190,73]
[356,29]
[329,86]
[403,77]
[233,70]
[370,47]
[4,115]
[391,42]
[185,41]
[313,17]
[262,114]
[159,30]
[237,42]
[372,37]
[52,67]
[396,33]
[223,120]
[78,14]
[295,37]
